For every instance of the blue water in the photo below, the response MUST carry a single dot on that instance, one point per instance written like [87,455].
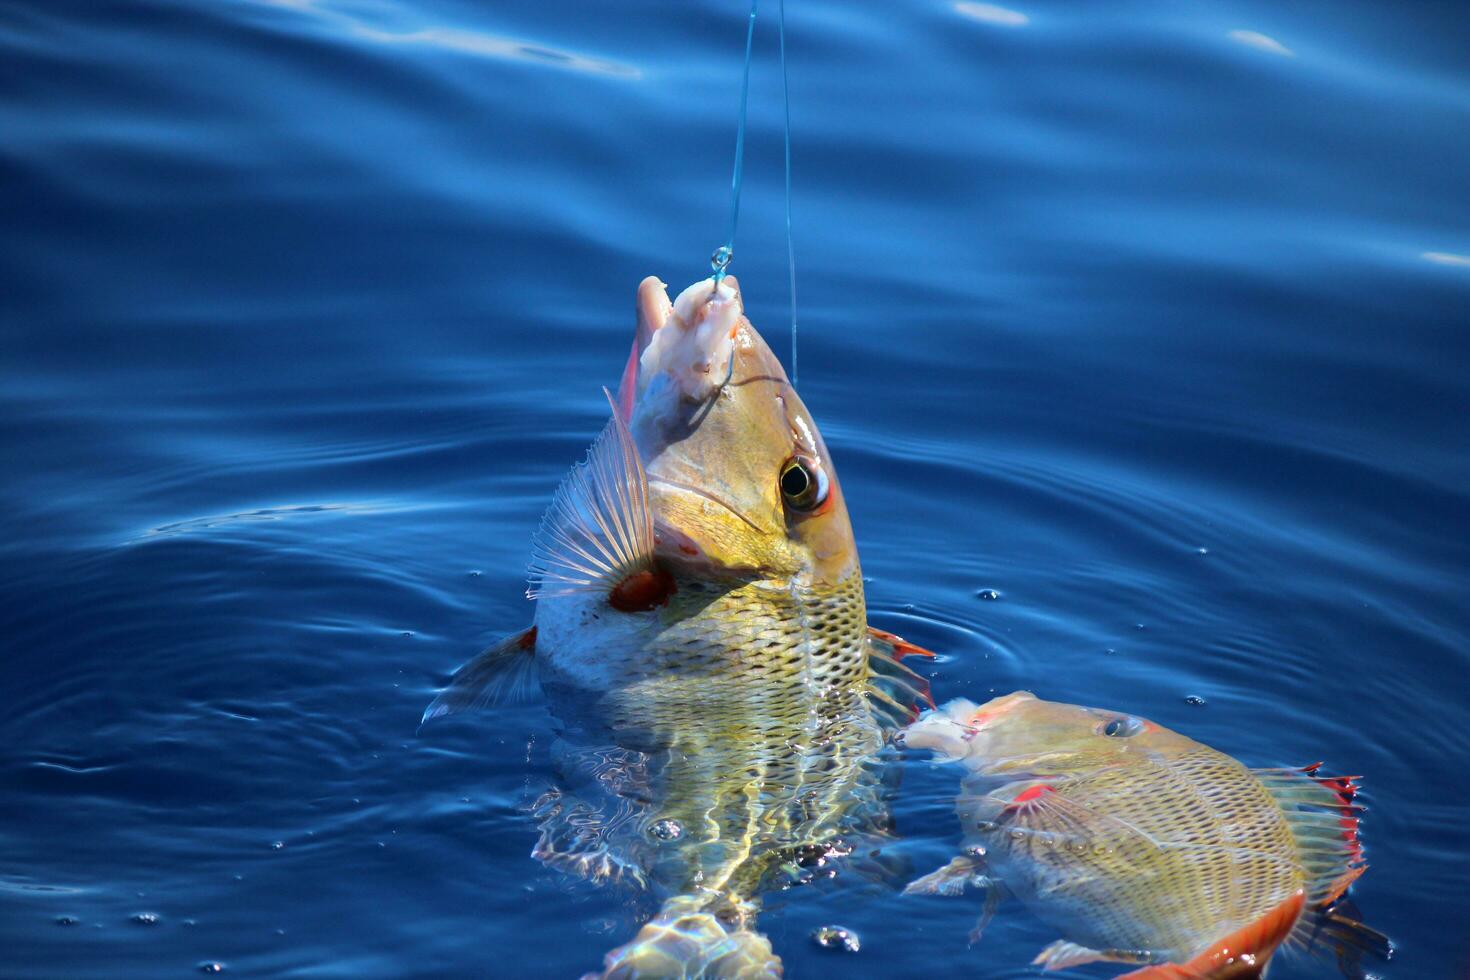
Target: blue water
[1156,328]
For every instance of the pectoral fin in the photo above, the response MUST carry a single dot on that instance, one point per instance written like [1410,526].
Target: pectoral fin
[597,535]
[1242,955]
[502,674]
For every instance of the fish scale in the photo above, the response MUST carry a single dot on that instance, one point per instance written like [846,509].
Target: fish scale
[1216,847]
[1143,846]
[701,633]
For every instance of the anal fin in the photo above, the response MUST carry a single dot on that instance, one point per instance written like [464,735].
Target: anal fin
[1062,954]
[502,674]
[898,691]
[1242,955]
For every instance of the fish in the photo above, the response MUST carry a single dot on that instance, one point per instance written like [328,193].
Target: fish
[700,632]
[1142,846]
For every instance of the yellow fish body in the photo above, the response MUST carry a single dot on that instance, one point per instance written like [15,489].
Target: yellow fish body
[1141,845]
[701,630]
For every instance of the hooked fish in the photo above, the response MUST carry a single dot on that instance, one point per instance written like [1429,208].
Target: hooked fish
[701,632]
[1143,846]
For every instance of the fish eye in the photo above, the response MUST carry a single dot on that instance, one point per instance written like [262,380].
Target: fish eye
[804,484]
[1122,727]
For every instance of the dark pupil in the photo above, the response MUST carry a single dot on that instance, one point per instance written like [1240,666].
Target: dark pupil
[1114,728]
[794,481]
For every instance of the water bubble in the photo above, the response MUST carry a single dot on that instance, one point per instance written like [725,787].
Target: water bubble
[211,966]
[146,918]
[836,937]
[66,920]
[1194,699]
[667,829]
[475,573]
[1139,626]
[277,845]
[406,633]
[989,595]
[1202,551]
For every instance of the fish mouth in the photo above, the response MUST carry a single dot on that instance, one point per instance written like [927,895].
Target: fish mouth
[690,342]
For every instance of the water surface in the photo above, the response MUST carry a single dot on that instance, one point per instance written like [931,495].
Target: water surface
[1149,317]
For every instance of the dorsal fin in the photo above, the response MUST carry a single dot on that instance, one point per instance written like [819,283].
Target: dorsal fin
[1242,955]
[1323,815]
[598,531]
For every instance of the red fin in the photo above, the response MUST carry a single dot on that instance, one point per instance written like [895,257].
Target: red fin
[901,647]
[1345,788]
[1242,955]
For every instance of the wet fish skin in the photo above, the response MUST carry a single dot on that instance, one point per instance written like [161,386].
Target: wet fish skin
[1139,844]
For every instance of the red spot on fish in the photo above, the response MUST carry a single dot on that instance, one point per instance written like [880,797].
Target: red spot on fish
[642,591]
[688,549]
[1027,795]
[528,639]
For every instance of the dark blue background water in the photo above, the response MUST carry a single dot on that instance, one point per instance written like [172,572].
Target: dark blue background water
[1156,328]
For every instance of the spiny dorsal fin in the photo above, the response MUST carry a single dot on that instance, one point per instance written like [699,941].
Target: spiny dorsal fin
[502,674]
[598,531]
[1242,955]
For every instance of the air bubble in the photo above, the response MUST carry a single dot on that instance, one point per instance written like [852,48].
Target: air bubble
[146,918]
[1194,699]
[211,966]
[989,595]
[838,938]
[66,920]
[667,829]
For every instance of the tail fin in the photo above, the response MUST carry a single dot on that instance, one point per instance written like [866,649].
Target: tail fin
[1340,931]
[686,940]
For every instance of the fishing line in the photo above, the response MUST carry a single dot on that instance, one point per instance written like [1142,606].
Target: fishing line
[720,260]
[790,247]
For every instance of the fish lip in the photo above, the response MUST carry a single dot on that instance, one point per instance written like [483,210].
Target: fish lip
[698,492]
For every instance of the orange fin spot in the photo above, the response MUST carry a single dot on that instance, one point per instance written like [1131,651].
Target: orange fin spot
[1242,955]
[901,647]
[1028,795]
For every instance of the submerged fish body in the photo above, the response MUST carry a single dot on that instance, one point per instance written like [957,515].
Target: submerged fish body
[1141,845]
[700,629]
